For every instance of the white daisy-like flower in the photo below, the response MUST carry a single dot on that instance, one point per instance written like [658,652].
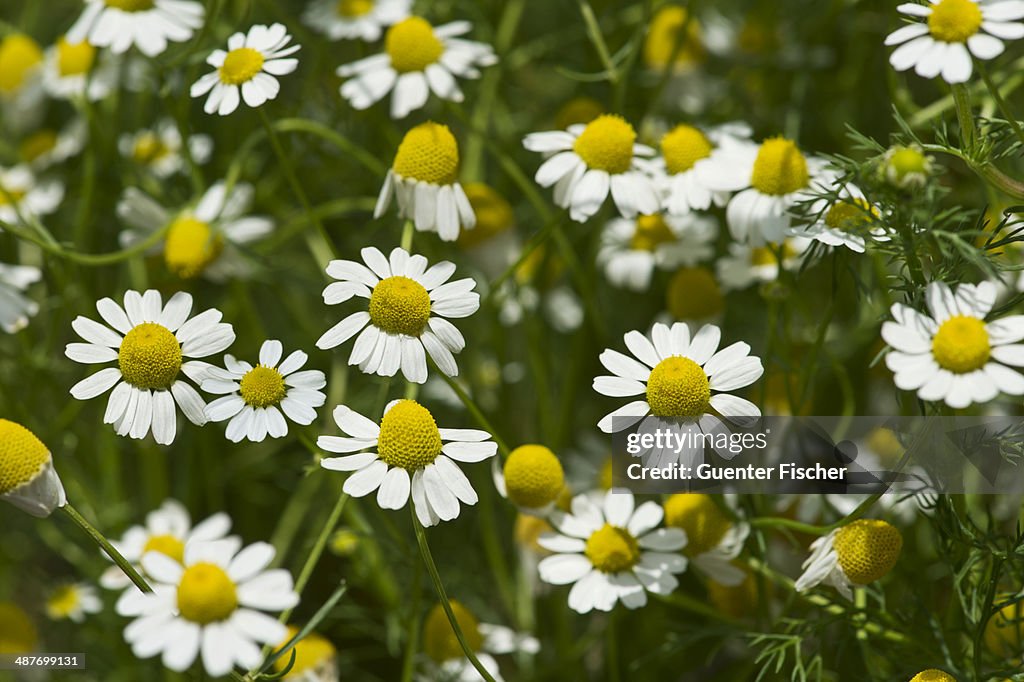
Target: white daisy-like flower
[153,345]
[210,605]
[15,307]
[246,72]
[745,265]
[412,457]
[632,249]
[258,395]
[167,530]
[769,179]
[147,24]
[424,181]
[27,477]
[685,152]
[859,553]
[950,32]
[612,551]
[586,162]
[73,602]
[68,71]
[851,221]
[22,196]
[952,353]
[46,147]
[203,239]
[418,58]
[160,149]
[355,19]
[713,539]
[405,315]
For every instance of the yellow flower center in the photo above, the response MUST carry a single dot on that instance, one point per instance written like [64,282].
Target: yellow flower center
[665,33]
[439,640]
[578,110]
[150,356]
[607,144]
[74,59]
[932,675]
[354,8]
[735,600]
[149,148]
[262,387]
[206,594]
[605,475]
[684,146]
[851,215]
[408,436]
[867,549]
[704,522]
[1004,633]
[344,542]
[19,54]
[130,5]
[11,196]
[412,45]
[190,246]
[533,476]
[167,545]
[35,145]
[693,294]
[961,344]
[312,652]
[22,456]
[428,153]
[678,387]
[17,633]
[780,168]
[612,549]
[400,305]
[907,160]
[62,601]
[240,66]
[954,21]
[493,214]
[651,232]
[528,529]
[886,444]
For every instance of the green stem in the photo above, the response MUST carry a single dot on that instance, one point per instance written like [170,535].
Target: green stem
[475,411]
[611,663]
[91,259]
[597,38]
[105,545]
[968,133]
[412,637]
[1000,102]
[407,233]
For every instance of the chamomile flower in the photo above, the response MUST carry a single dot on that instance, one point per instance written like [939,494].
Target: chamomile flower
[46,147]
[72,602]
[850,221]
[685,152]
[22,196]
[147,24]
[208,605]
[859,553]
[745,265]
[531,478]
[27,477]
[314,658]
[405,316]
[932,675]
[167,530]
[769,179]
[160,150]
[1004,632]
[418,59]
[256,396]
[424,181]
[247,70]
[666,40]
[154,345]
[611,551]
[203,239]
[69,73]
[906,166]
[585,162]
[694,295]
[20,62]
[633,248]
[952,354]
[18,634]
[413,456]
[355,19]
[713,538]
[950,33]
[15,307]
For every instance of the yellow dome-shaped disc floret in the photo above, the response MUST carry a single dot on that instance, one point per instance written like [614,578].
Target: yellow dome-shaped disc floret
[428,153]
[312,653]
[1004,632]
[678,387]
[780,168]
[886,444]
[867,549]
[684,146]
[400,305]
[262,387]
[206,594]
[607,144]
[932,675]
[612,549]
[493,214]
[954,21]
[694,294]
[408,436]
[22,456]
[651,232]
[74,59]
[240,65]
[37,144]
[19,54]
[663,36]
[412,45]
[18,635]
[533,476]
[703,521]
[149,148]
[167,545]
[190,246]
[851,215]
[131,5]
[354,8]
[578,110]
[439,640]
[150,356]
[961,344]
[63,601]
[528,529]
